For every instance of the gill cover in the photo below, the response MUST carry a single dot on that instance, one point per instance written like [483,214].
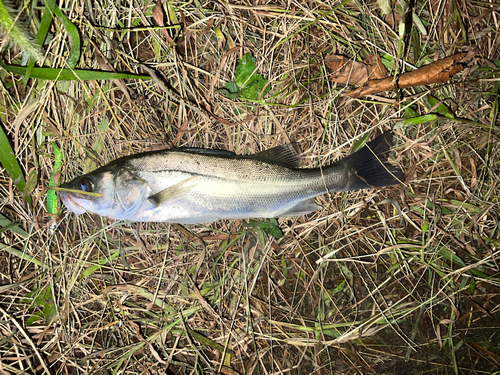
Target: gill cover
[129,193]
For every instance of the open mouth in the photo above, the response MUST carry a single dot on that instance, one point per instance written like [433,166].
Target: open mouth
[71,203]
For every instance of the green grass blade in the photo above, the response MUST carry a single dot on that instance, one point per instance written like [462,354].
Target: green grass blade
[56,74]
[6,224]
[72,30]
[494,113]
[415,121]
[9,162]
[90,270]
[43,30]
[19,254]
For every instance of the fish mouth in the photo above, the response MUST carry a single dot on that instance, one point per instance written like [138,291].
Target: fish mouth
[71,203]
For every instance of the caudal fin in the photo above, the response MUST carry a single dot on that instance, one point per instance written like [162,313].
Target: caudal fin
[370,165]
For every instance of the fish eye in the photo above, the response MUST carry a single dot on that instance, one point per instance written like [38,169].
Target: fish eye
[87,185]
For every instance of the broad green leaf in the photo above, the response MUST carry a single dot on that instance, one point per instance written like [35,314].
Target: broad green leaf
[233,95]
[269,226]
[410,112]
[100,262]
[172,16]
[360,143]
[418,23]
[442,109]
[20,254]
[248,84]
[9,162]
[339,288]
[447,254]
[387,61]
[204,341]
[65,74]
[43,302]
[463,27]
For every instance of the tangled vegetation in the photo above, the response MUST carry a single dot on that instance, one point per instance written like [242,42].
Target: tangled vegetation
[392,281]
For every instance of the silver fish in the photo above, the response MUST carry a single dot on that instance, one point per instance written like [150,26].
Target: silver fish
[191,186]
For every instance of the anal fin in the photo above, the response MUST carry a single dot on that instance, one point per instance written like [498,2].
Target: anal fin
[301,208]
[202,219]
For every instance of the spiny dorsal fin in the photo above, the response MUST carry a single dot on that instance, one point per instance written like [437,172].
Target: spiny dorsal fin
[206,151]
[286,155]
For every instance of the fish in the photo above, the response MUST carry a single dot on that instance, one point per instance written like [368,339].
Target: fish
[197,186]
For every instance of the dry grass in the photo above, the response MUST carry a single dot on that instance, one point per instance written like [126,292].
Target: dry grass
[402,280]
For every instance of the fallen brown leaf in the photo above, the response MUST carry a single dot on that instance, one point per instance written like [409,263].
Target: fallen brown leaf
[159,17]
[159,14]
[347,71]
[393,18]
[376,68]
[437,72]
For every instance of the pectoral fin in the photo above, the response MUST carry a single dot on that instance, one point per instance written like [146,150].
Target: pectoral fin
[173,192]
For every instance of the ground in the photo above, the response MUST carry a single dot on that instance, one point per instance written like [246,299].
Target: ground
[400,280]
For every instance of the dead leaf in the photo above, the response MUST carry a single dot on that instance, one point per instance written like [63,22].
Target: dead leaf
[159,17]
[159,13]
[210,24]
[437,72]
[377,70]
[348,71]
[393,18]
[228,371]
[31,182]
[492,356]
[33,105]
[470,54]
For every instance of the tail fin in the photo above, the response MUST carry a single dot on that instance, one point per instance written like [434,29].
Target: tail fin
[370,165]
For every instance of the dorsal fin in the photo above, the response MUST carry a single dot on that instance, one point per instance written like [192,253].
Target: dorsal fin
[207,151]
[286,155]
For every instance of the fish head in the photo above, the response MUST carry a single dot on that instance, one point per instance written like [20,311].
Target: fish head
[118,194]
